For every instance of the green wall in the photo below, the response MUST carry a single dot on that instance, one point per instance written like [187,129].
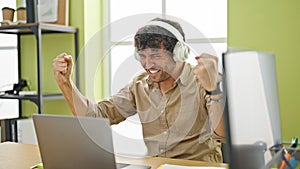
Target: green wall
[272,26]
[52,45]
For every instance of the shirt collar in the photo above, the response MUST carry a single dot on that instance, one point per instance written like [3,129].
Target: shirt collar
[186,74]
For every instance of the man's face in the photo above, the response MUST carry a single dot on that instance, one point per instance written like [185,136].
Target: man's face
[158,63]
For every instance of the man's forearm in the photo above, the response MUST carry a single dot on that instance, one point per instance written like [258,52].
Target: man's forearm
[76,101]
[216,109]
[220,130]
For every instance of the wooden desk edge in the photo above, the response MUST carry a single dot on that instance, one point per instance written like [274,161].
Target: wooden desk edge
[19,155]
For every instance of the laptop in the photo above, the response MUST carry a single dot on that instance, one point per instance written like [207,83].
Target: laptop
[70,142]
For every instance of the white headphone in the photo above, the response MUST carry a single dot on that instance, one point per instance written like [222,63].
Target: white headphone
[181,50]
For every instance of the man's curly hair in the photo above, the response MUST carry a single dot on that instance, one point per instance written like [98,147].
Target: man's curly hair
[153,36]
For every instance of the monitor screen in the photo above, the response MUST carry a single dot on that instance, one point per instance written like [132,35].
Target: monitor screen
[251,107]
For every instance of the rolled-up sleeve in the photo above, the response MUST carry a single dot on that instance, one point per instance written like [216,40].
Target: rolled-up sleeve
[116,108]
[93,109]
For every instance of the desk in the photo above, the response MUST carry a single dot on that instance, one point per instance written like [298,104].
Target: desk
[23,156]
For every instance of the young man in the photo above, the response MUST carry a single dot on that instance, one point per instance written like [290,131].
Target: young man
[180,106]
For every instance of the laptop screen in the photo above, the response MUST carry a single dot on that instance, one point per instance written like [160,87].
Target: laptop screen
[76,142]
[252,116]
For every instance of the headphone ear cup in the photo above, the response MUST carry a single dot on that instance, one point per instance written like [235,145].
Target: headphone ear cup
[180,52]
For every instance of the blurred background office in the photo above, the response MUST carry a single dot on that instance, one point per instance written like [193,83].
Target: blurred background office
[270,26]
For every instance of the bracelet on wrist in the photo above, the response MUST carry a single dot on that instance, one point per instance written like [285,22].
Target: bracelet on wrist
[217,91]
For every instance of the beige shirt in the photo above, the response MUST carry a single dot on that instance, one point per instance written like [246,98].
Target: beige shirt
[176,124]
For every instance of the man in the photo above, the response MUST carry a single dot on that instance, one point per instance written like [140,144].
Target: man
[180,107]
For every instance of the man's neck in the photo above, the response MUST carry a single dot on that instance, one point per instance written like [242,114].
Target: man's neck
[168,83]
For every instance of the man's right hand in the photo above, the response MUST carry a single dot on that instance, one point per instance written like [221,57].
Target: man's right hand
[62,68]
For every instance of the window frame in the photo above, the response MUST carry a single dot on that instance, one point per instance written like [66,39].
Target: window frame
[131,123]
[108,72]
[9,108]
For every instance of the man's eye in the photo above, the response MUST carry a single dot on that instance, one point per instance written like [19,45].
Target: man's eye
[156,56]
[142,56]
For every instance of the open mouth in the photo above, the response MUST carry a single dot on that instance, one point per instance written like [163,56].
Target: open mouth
[153,71]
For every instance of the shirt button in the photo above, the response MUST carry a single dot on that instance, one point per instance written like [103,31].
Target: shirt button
[165,132]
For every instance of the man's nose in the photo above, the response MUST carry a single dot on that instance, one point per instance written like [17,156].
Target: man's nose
[148,63]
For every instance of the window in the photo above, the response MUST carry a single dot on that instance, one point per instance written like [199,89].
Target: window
[204,23]
[8,68]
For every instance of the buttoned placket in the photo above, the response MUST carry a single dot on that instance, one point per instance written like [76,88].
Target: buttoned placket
[164,129]
[164,122]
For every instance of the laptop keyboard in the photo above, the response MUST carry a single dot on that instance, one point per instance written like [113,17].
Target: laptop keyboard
[121,165]
[131,166]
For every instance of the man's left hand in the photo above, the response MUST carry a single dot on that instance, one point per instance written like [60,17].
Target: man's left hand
[207,71]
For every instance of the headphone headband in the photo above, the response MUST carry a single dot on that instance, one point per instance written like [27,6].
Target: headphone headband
[168,27]
[180,51]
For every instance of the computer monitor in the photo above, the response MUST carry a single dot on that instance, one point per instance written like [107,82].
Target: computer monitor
[252,116]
